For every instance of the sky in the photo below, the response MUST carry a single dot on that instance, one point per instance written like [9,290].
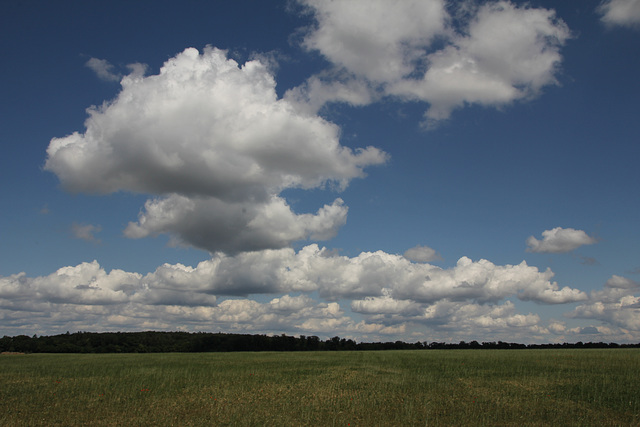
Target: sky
[371,169]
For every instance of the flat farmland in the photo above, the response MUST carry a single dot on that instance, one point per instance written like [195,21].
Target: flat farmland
[583,387]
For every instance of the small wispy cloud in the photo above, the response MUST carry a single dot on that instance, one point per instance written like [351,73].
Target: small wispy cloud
[103,69]
[587,260]
[85,232]
[422,254]
[634,271]
[625,13]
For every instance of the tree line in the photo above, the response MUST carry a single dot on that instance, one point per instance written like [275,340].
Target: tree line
[186,342]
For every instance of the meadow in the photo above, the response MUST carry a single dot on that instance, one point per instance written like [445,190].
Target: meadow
[586,387]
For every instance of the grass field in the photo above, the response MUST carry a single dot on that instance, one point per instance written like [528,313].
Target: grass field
[385,388]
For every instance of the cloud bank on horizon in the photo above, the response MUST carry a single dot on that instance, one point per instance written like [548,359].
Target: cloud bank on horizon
[214,149]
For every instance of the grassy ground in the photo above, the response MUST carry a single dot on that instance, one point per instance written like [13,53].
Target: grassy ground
[387,388]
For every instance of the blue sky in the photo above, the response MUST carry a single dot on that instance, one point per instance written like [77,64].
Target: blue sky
[424,171]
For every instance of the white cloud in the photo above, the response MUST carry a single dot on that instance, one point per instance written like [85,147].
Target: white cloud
[289,304]
[204,126]
[483,281]
[385,305]
[370,274]
[412,50]
[103,69]
[212,224]
[422,254]
[317,91]
[214,141]
[85,231]
[390,294]
[375,39]
[624,313]
[620,282]
[620,12]
[559,240]
[617,304]
[86,283]
[557,327]
[475,321]
[508,53]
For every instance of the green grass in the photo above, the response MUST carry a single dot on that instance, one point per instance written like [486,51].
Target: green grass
[386,388]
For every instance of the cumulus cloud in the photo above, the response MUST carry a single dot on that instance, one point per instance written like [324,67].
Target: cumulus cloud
[559,240]
[375,274]
[621,283]
[86,283]
[497,317]
[557,327]
[203,126]
[617,303]
[374,38]
[489,55]
[212,224]
[508,53]
[620,12]
[212,140]
[422,254]
[85,231]
[385,304]
[391,293]
[370,274]
[86,297]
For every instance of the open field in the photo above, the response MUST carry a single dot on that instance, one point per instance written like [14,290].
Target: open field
[448,387]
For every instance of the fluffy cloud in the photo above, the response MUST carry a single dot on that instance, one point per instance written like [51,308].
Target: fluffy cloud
[386,304]
[86,297]
[203,126]
[212,139]
[465,315]
[557,327]
[508,53]
[212,224]
[370,274]
[86,283]
[620,282]
[378,40]
[559,240]
[617,304]
[391,293]
[492,56]
[620,12]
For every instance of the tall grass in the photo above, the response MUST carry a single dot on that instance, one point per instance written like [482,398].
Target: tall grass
[387,388]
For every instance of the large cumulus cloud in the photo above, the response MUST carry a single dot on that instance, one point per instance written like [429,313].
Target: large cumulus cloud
[214,142]
[447,55]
